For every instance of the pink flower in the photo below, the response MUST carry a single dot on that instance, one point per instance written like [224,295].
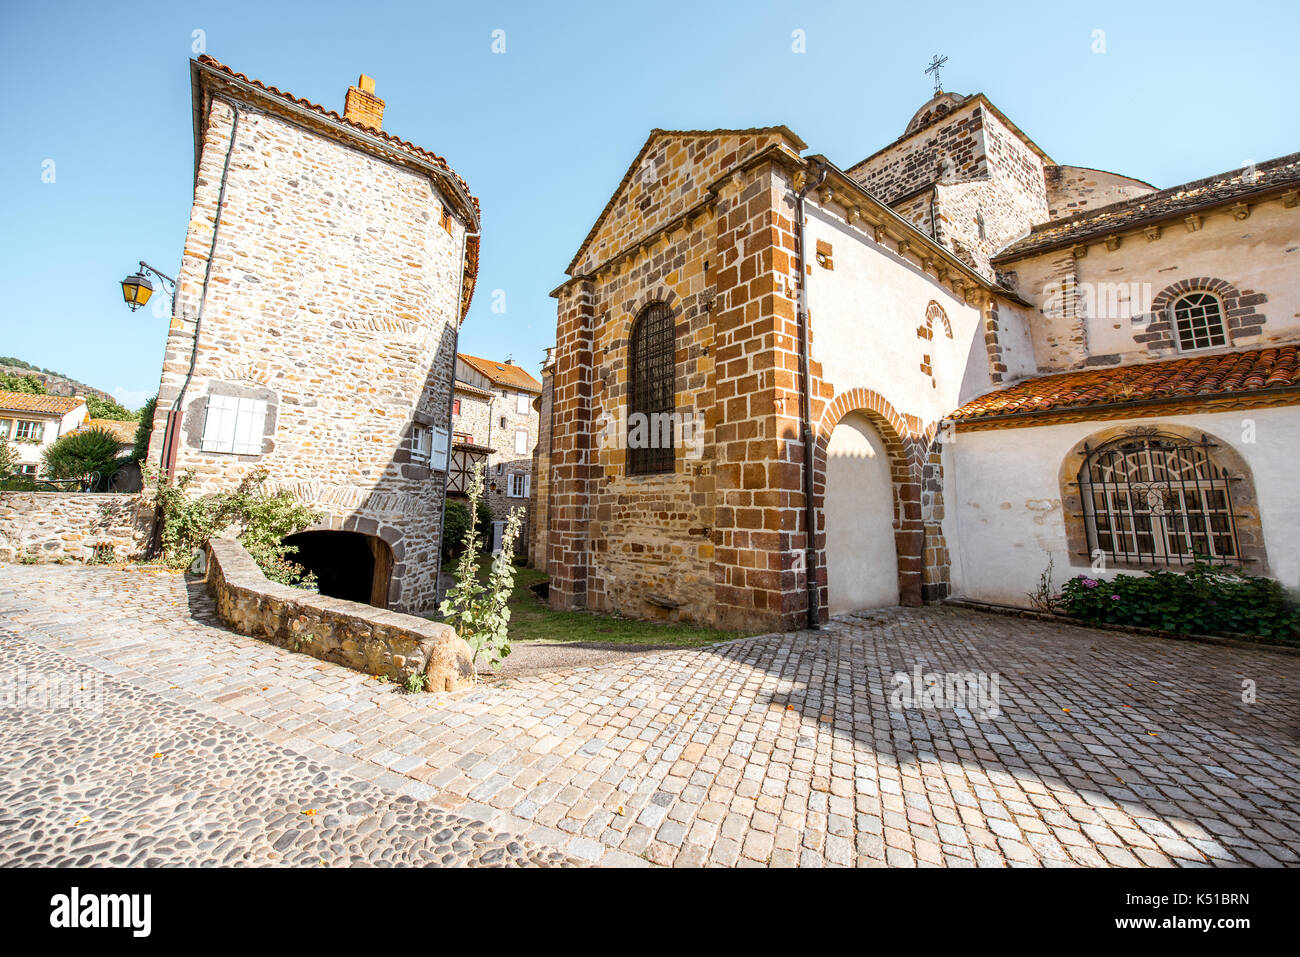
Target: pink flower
[1089,583]
[1114,597]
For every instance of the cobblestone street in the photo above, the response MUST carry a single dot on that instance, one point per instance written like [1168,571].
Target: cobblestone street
[1107,748]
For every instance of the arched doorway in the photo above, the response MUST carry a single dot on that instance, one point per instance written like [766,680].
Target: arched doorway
[347,564]
[861,560]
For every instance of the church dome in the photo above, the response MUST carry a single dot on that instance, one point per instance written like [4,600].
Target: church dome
[938,107]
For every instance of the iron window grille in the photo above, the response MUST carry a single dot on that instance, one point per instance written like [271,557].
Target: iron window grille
[651,438]
[1198,321]
[1158,500]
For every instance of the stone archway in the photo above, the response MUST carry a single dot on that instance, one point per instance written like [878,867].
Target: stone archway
[347,565]
[857,512]
[903,440]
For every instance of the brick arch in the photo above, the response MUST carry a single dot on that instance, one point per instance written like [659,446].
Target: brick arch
[905,441]
[1239,316]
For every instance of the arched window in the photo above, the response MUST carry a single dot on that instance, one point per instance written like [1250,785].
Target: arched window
[1198,320]
[651,388]
[1155,499]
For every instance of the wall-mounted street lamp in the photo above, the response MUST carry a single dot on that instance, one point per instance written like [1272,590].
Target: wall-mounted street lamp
[136,288]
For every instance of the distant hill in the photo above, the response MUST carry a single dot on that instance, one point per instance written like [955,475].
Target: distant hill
[54,382]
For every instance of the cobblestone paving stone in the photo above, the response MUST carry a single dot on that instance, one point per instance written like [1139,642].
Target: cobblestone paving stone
[131,779]
[1109,749]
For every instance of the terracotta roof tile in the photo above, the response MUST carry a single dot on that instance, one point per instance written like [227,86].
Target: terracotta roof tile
[122,429]
[26,402]
[1172,379]
[503,373]
[1183,199]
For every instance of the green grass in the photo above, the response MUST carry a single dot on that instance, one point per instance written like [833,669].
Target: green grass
[532,620]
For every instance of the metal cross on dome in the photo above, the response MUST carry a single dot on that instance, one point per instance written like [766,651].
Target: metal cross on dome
[935,65]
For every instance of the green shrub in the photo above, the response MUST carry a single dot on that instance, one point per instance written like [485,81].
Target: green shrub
[262,520]
[1203,600]
[8,458]
[90,456]
[143,431]
[455,523]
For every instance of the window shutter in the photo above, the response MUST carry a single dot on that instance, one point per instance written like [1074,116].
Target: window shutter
[528,485]
[219,423]
[521,443]
[250,421]
[441,450]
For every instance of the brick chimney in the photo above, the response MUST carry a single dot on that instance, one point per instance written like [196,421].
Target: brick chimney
[362,106]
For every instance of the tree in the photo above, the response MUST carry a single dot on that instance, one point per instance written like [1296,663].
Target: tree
[98,408]
[90,456]
[144,431]
[8,460]
[22,383]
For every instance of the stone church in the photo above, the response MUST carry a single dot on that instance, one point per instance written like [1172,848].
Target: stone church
[924,375]
[327,268]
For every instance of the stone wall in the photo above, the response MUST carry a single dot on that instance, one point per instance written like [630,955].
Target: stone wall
[333,296]
[367,639]
[481,417]
[56,526]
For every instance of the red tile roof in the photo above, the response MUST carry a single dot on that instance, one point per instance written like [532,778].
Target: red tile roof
[1175,201]
[49,404]
[1222,374]
[503,373]
[472,243]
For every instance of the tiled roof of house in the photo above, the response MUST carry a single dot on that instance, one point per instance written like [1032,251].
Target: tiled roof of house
[122,429]
[472,242]
[50,404]
[1149,382]
[1166,203]
[502,373]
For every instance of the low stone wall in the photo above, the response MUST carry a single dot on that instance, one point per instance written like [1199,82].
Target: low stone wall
[56,526]
[372,640]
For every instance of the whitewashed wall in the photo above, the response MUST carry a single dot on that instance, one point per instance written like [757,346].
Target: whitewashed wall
[1004,516]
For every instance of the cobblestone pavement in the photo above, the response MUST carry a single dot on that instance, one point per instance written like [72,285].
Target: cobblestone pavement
[1107,749]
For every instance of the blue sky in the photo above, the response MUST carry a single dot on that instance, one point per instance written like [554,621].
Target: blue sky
[544,132]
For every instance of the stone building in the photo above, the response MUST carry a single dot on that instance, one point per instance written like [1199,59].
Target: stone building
[494,422]
[925,375]
[327,267]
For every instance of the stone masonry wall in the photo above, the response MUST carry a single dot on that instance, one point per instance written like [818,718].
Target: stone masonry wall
[54,526]
[368,639]
[332,295]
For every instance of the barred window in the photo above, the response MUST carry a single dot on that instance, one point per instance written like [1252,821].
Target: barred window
[651,387]
[1198,319]
[1158,500]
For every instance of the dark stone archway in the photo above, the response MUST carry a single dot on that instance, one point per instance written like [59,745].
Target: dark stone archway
[347,565]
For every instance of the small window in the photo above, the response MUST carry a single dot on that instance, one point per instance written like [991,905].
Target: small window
[32,431]
[521,404]
[421,445]
[1198,320]
[521,442]
[519,485]
[455,406]
[234,425]
[6,428]
[501,469]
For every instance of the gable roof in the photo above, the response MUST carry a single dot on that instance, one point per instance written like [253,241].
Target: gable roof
[655,135]
[502,373]
[208,69]
[48,404]
[1272,369]
[1163,204]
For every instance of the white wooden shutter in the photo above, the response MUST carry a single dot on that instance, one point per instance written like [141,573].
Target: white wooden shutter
[250,421]
[521,443]
[441,450]
[219,425]
[521,404]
